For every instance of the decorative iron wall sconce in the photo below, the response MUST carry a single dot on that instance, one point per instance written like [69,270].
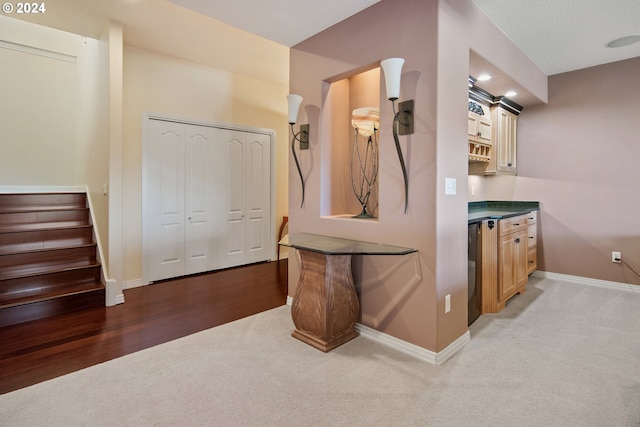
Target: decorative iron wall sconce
[403,118]
[294,102]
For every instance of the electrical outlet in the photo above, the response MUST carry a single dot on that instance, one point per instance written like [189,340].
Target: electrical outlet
[447,303]
[616,257]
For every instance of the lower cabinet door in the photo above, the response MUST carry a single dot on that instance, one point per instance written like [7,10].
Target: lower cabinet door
[512,267]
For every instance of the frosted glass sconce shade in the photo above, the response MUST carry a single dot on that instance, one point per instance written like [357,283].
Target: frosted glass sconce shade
[392,68]
[366,120]
[294,102]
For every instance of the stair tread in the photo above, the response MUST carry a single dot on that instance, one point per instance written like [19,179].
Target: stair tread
[49,245]
[19,273]
[41,208]
[42,226]
[6,300]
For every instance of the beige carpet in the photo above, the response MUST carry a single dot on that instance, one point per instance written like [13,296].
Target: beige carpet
[563,354]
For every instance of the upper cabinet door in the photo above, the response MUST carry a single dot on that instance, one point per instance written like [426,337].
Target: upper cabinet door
[506,141]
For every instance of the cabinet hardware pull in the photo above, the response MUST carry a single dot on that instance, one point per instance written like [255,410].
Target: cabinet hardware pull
[531,237]
[518,240]
[516,225]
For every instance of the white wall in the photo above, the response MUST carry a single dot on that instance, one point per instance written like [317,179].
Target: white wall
[167,85]
[92,150]
[39,105]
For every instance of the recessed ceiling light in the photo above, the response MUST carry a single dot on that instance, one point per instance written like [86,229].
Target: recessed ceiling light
[511,93]
[484,77]
[623,41]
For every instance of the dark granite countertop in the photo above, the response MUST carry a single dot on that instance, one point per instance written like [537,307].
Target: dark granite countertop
[479,211]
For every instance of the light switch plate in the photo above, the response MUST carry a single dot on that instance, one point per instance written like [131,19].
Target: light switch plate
[450,186]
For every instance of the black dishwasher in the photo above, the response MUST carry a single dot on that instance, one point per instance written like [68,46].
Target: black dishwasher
[475,271]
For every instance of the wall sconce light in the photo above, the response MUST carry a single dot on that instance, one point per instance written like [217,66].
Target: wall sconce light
[403,118]
[294,102]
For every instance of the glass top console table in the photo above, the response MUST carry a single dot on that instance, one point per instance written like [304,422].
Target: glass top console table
[325,305]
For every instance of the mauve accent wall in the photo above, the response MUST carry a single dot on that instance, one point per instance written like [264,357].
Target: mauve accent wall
[401,296]
[579,156]
[397,293]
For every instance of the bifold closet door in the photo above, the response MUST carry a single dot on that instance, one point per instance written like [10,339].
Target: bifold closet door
[246,170]
[181,201]
[203,186]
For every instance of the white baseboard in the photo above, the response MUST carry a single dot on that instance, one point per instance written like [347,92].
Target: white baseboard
[408,348]
[587,281]
[412,349]
[130,284]
[120,299]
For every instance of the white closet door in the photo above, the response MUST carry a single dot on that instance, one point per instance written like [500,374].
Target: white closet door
[207,201]
[201,191]
[232,239]
[258,197]
[247,205]
[166,237]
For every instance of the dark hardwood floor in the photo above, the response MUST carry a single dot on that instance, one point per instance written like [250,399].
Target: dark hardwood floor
[43,349]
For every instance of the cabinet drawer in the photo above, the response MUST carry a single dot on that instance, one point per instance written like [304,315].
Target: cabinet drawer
[532,235]
[532,260]
[532,217]
[509,225]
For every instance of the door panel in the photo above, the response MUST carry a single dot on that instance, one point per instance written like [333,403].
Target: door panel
[258,197]
[166,200]
[201,163]
[232,250]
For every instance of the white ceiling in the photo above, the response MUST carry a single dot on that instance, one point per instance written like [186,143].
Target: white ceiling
[558,36]
[567,35]
[287,22]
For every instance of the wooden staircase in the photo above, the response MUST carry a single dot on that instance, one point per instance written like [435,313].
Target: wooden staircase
[48,257]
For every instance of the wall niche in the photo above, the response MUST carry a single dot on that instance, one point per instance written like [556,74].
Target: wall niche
[343,95]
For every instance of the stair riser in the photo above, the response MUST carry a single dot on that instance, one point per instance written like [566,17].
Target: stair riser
[77,216]
[11,201]
[35,285]
[44,239]
[12,265]
[43,309]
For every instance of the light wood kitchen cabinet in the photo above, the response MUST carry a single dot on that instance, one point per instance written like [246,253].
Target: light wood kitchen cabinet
[508,255]
[479,136]
[504,139]
[512,256]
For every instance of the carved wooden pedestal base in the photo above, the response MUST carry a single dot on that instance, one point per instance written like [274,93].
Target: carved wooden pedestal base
[325,306]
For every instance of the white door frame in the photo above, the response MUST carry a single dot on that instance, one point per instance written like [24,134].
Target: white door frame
[146,117]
